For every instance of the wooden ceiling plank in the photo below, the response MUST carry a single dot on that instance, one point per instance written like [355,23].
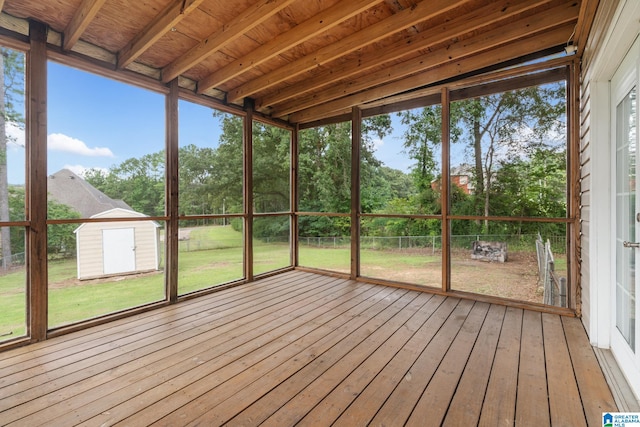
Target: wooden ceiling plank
[250,18]
[80,21]
[164,22]
[510,51]
[393,24]
[322,21]
[490,14]
[524,27]
[1,5]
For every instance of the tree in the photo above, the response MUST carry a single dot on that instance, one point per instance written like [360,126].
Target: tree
[271,168]
[422,142]
[496,129]
[225,187]
[507,125]
[195,173]
[138,181]
[324,171]
[11,93]
[61,239]
[532,187]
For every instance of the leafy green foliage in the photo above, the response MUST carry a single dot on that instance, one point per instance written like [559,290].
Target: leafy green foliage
[12,81]
[61,240]
[271,168]
[516,166]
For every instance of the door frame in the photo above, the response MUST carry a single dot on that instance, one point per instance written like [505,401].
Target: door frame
[628,76]
[602,59]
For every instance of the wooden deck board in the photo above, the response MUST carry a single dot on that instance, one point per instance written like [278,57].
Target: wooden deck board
[565,405]
[466,404]
[499,406]
[532,402]
[306,349]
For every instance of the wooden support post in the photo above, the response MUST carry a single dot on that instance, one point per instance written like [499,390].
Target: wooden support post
[356,143]
[171,193]
[295,248]
[36,153]
[444,193]
[573,299]
[248,189]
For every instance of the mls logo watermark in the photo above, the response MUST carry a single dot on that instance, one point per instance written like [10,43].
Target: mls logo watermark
[621,419]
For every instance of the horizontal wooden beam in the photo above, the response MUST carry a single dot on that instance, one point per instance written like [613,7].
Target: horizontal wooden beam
[464,24]
[157,28]
[80,21]
[393,24]
[515,30]
[484,79]
[511,50]
[248,19]
[318,23]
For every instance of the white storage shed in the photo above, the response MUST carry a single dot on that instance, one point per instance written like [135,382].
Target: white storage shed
[114,248]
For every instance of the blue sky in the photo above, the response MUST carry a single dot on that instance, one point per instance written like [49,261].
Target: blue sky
[95,122]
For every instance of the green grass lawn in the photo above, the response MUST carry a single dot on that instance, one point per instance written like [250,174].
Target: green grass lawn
[13,302]
[213,255]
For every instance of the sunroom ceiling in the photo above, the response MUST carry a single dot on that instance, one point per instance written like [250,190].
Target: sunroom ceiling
[305,60]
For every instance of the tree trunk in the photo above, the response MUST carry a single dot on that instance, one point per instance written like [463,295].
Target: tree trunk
[5,232]
[477,151]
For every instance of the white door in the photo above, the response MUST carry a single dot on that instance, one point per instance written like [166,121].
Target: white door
[119,250]
[625,334]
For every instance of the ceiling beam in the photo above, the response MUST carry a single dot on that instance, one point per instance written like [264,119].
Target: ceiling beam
[483,79]
[320,22]
[479,18]
[583,27]
[161,24]
[79,22]
[393,24]
[513,31]
[250,18]
[433,75]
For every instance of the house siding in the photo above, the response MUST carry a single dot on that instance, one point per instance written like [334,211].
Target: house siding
[585,201]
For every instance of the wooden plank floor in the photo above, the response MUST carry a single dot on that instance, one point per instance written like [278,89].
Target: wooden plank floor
[307,349]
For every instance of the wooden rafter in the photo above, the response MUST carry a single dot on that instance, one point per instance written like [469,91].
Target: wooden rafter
[250,18]
[368,35]
[585,19]
[320,22]
[534,25]
[80,21]
[432,75]
[482,17]
[163,23]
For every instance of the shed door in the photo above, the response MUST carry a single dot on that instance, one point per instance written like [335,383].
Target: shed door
[119,250]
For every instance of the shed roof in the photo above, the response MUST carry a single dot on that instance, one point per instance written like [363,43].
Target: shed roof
[303,60]
[68,188]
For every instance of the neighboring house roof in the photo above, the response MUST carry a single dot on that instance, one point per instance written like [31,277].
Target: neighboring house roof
[68,188]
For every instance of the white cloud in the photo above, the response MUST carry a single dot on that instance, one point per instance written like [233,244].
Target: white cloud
[15,135]
[377,143]
[61,142]
[80,170]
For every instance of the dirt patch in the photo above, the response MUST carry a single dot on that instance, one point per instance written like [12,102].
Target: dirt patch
[517,278]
